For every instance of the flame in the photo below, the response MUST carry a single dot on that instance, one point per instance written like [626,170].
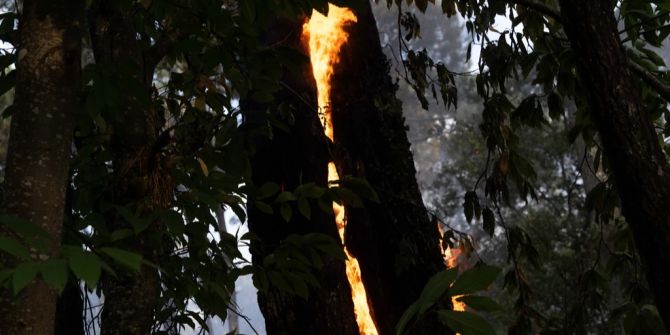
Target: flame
[450,257]
[325,36]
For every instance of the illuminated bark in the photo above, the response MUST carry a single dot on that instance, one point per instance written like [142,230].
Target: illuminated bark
[46,100]
[290,158]
[394,240]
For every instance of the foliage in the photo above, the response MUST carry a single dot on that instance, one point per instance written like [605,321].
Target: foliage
[210,55]
[441,288]
[534,49]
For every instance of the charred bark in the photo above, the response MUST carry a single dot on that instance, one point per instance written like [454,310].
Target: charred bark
[141,178]
[46,100]
[291,158]
[70,304]
[69,310]
[394,240]
[640,168]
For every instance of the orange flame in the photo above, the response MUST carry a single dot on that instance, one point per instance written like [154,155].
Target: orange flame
[450,257]
[325,36]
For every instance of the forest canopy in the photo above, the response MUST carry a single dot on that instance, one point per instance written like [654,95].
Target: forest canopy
[155,154]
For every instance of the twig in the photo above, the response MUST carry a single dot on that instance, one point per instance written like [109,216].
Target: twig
[661,88]
[538,7]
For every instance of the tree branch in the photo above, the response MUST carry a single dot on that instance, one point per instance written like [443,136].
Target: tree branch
[538,7]
[162,47]
[660,87]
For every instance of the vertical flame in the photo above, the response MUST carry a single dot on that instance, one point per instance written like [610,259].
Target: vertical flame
[450,257]
[325,36]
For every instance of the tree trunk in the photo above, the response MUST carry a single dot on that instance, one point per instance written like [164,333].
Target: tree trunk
[394,240]
[46,100]
[141,177]
[291,158]
[640,168]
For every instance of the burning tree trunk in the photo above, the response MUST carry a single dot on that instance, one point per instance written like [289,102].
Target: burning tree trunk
[394,240]
[641,170]
[291,158]
[47,98]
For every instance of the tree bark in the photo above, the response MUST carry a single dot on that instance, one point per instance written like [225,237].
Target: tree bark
[291,158]
[46,100]
[394,240]
[69,310]
[141,177]
[639,166]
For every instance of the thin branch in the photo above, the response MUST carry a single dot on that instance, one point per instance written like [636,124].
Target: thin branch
[641,23]
[660,87]
[162,47]
[538,7]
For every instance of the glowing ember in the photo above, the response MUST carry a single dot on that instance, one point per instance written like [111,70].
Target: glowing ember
[325,35]
[450,257]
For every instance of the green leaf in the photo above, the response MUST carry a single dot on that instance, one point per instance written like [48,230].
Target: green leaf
[406,318]
[174,222]
[304,208]
[469,205]
[34,235]
[86,266]
[7,82]
[449,8]
[465,323]
[13,247]
[422,5]
[121,234]
[286,212]
[263,207]
[285,197]
[309,190]
[360,187]
[346,196]
[239,210]
[23,275]
[299,286]
[484,304]
[474,280]
[8,111]
[54,272]
[131,260]
[203,167]
[555,103]
[139,224]
[268,189]
[321,6]
[489,221]
[435,288]
[4,275]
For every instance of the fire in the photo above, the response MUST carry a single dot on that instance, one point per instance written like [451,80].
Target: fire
[450,257]
[451,260]
[325,36]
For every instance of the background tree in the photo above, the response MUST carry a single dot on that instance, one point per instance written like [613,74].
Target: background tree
[549,61]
